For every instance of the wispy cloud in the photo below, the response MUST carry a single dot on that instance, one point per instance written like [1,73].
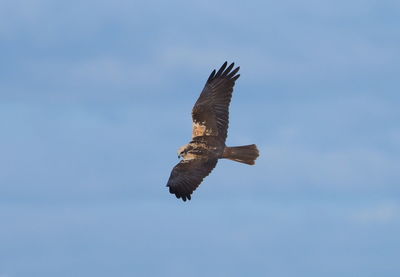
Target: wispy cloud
[382,213]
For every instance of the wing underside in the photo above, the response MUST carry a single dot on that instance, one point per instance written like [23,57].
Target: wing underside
[210,113]
[187,175]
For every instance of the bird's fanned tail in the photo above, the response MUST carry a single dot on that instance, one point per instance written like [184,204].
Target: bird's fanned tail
[246,154]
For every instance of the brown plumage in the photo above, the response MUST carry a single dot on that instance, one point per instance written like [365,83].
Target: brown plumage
[210,117]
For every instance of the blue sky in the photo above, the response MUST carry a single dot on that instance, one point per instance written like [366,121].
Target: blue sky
[96,99]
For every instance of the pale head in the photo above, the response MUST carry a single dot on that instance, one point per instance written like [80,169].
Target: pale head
[182,151]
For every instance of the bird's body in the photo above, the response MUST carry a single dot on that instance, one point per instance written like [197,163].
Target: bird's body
[210,116]
[202,147]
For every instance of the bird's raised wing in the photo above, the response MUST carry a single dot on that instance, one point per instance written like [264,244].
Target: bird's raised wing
[210,114]
[187,176]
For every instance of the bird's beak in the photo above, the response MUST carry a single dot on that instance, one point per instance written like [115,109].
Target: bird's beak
[179,156]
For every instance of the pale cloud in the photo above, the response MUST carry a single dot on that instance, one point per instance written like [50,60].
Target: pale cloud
[339,169]
[382,213]
[115,71]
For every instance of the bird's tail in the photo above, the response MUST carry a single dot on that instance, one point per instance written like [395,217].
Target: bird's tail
[243,154]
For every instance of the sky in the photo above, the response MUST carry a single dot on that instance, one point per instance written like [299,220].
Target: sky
[95,100]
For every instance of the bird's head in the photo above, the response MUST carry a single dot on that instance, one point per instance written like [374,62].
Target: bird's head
[182,151]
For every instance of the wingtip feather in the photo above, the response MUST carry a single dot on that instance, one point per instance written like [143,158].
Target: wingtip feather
[236,70]
[211,75]
[228,69]
[221,69]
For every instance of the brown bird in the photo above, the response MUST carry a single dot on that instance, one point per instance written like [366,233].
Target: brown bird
[210,116]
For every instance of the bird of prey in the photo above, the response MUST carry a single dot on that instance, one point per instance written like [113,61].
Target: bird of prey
[210,116]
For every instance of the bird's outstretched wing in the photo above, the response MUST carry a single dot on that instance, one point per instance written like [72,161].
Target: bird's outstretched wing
[187,175]
[210,114]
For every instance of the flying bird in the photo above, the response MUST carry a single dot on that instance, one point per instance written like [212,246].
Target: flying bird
[210,116]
